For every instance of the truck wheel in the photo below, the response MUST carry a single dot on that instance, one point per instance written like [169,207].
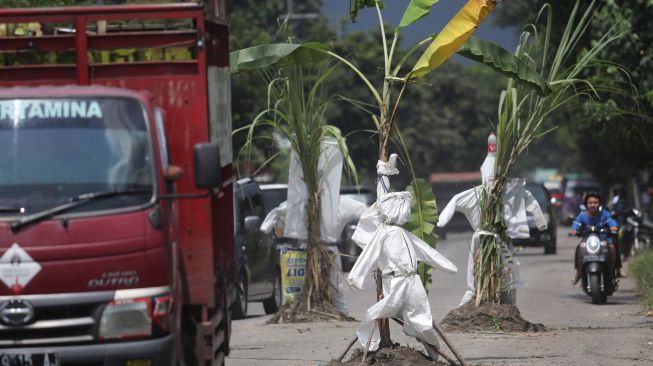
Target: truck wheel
[272,304]
[239,307]
[550,247]
[595,289]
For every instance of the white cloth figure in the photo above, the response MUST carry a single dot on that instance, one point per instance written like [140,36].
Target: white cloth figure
[396,252]
[516,202]
[348,210]
[370,220]
[330,173]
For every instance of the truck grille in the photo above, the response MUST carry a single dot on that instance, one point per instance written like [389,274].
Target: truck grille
[57,319]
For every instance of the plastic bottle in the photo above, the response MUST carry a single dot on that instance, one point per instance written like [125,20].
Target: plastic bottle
[487,168]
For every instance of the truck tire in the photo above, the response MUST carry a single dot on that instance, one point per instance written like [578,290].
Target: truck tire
[272,304]
[595,289]
[239,307]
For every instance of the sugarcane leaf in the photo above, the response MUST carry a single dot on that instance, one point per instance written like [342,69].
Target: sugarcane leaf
[416,10]
[452,36]
[258,57]
[505,63]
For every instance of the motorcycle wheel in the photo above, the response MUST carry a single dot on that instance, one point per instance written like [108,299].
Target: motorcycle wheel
[595,289]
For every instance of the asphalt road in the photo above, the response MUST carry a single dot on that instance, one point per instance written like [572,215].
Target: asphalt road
[579,333]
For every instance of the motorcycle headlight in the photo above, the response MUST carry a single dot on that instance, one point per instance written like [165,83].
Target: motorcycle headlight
[593,245]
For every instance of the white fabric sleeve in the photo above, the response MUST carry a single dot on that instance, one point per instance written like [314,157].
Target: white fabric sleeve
[366,260]
[533,207]
[367,226]
[428,255]
[446,214]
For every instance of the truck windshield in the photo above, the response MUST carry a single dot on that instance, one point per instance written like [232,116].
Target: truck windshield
[56,149]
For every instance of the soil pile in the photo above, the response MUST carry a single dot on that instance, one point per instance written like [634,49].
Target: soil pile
[488,317]
[389,356]
[299,312]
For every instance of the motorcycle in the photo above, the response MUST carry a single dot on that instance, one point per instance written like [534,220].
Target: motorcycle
[596,269]
[637,234]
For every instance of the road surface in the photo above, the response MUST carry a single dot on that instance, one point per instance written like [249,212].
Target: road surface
[579,333]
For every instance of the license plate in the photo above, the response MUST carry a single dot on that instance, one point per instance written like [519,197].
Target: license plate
[589,258]
[29,359]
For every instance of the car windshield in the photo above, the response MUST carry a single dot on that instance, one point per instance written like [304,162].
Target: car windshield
[59,148]
[360,197]
[273,197]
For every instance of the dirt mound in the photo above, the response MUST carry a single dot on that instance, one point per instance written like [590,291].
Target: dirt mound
[488,317]
[300,313]
[391,356]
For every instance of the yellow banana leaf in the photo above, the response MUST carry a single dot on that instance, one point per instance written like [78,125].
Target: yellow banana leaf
[454,34]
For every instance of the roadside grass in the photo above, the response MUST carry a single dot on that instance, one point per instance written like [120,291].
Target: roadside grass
[641,269]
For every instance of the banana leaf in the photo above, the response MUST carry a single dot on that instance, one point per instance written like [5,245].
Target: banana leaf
[474,48]
[424,213]
[504,62]
[416,10]
[258,57]
[423,216]
[452,36]
[356,5]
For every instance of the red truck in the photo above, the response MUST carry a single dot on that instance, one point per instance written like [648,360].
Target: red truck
[105,258]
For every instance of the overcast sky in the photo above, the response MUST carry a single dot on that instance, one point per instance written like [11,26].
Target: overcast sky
[440,15]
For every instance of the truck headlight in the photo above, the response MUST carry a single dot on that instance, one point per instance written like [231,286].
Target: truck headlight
[138,317]
[126,319]
[593,245]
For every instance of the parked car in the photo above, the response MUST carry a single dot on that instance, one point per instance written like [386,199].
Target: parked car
[346,246]
[274,194]
[548,237]
[258,276]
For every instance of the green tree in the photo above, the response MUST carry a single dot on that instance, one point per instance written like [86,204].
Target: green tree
[614,142]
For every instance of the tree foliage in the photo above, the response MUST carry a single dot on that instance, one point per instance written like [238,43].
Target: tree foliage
[613,142]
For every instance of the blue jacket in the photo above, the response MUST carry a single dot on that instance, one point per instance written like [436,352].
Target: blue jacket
[602,220]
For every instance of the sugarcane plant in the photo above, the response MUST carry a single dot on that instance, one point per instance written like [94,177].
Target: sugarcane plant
[525,116]
[296,112]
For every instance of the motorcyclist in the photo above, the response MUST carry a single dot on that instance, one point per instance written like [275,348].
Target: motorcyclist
[595,216]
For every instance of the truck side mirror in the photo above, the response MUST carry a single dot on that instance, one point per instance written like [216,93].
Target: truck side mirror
[207,165]
[252,224]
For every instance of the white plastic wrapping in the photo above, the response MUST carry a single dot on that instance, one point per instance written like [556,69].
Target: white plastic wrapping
[370,220]
[330,172]
[396,252]
[516,202]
